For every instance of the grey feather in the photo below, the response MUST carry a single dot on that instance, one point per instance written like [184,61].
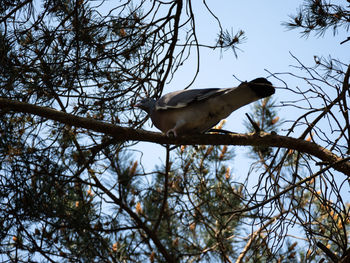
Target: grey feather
[181,98]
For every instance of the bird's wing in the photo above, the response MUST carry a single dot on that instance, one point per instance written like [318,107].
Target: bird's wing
[196,111]
[183,98]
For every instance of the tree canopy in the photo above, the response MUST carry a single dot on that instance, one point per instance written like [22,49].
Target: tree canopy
[72,191]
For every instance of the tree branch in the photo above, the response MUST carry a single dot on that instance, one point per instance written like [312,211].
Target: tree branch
[329,253]
[129,134]
[165,194]
[17,8]
[278,195]
[253,237]
[152,235]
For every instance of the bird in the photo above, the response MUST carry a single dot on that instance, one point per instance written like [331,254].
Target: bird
[196,111]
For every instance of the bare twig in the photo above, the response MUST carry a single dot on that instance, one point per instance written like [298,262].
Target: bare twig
[253,237]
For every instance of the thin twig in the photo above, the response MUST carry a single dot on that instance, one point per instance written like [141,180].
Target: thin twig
[165,195]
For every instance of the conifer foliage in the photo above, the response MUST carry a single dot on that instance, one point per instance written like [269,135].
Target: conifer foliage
[72,188]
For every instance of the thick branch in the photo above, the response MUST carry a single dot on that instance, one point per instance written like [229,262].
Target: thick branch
[329,253]
[129,134]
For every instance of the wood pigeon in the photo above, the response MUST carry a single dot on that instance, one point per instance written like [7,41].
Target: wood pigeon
[196,111]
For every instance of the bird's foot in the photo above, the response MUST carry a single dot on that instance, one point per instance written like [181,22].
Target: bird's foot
[171,133]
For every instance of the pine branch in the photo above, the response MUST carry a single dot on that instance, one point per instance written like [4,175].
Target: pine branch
[329,253]
[129,134]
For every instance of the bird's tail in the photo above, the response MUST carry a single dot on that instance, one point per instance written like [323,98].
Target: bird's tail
[261,87]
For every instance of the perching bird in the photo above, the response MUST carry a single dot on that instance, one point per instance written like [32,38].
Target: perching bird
[196,111]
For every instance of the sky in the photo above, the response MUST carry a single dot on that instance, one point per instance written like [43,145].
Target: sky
[268,47]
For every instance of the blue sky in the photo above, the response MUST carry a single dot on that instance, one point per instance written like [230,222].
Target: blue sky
[267,47]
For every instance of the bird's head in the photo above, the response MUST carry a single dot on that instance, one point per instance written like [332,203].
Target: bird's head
[147,105]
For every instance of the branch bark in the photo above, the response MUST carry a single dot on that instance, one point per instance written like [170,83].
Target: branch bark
[129,134]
